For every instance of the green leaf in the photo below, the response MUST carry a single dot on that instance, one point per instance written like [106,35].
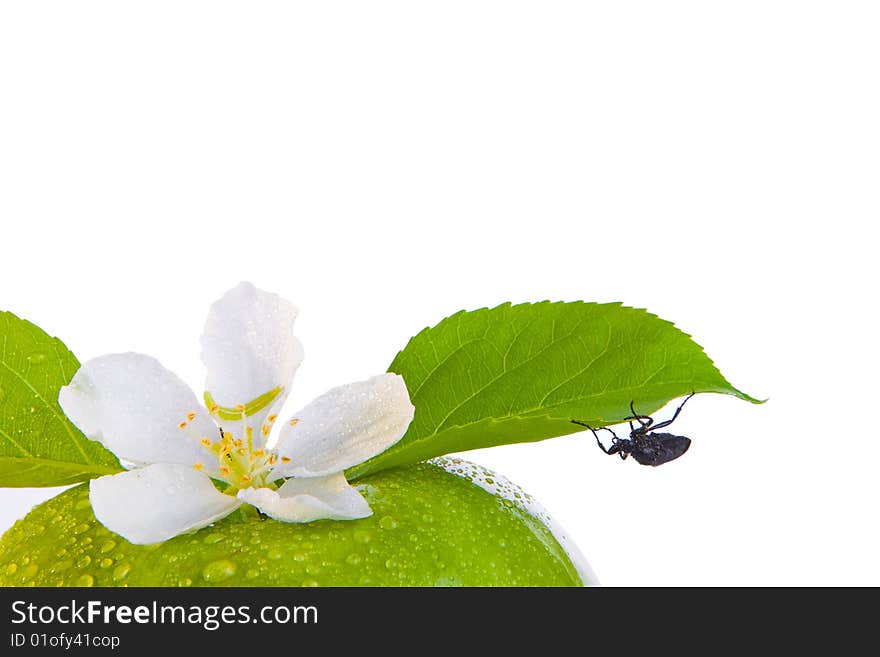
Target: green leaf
[521,373]
[39,446]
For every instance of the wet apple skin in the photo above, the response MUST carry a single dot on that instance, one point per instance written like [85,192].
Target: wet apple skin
[429,528]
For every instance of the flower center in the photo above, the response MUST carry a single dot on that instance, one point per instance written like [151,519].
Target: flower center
[241,462]
[238,463]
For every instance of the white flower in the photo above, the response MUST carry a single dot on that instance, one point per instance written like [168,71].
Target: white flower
[192,465]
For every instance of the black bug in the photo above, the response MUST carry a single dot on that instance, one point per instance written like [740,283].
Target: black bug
[646,447]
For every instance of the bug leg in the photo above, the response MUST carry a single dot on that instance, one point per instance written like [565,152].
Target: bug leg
[596,434]
[674,415]
[614,440]
[644,420]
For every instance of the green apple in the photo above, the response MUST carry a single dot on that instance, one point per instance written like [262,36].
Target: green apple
[445,523]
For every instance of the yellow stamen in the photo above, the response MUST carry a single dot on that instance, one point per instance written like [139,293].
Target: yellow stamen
[272,418]
[294,422]
[205,442]
[240,408]
[265,429]
[190,416]
[227,435]
[224,470]
[273,459]
[198,466]
[246,478]
[241,451]
[285,459]
[182,425]
[213,409]
[237,443]
[260,453]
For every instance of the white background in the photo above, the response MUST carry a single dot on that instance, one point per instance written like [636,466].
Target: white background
[385,164]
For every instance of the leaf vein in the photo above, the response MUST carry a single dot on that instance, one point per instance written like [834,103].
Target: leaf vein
[58,417]
[504,373]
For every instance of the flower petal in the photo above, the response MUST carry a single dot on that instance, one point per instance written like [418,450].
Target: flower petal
[249,350]
[305,500]
[344,427]
[158,502]
[135,407]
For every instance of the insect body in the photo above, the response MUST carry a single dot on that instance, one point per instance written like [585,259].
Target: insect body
[646,446]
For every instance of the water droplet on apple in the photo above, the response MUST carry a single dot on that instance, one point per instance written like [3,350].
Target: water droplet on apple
[121,571]
[62,565]
[387,522]
[218,571]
